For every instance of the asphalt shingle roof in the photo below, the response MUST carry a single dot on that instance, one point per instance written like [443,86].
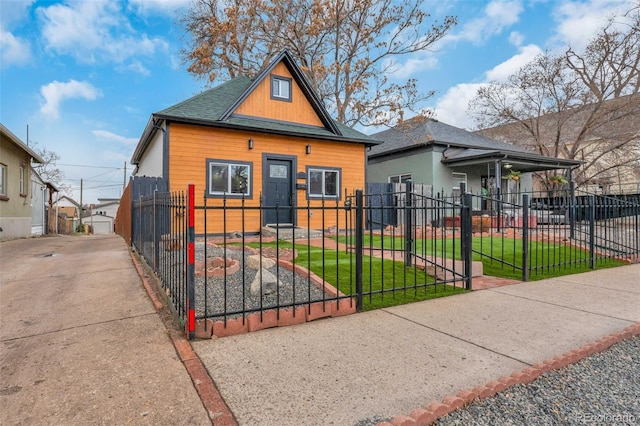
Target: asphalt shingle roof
[415,133]
[215,107]
[211,105]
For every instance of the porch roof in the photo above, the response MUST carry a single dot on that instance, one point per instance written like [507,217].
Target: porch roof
[462,148]
[521,161]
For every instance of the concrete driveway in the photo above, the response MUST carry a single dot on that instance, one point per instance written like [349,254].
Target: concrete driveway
[80,341]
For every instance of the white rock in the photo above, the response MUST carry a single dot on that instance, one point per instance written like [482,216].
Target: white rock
[253,262]
[269,283]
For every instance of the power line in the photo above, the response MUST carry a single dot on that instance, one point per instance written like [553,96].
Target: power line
[93,167]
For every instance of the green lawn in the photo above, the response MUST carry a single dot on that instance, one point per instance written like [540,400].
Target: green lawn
[388,283]
[502,257]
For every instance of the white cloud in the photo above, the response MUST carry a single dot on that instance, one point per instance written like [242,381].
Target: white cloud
[415,63]
[452,107]
[13,50]
[56,92]
[516,38]
[176,63]
[106,135]
[578,22]
[502,71]
[498,15]
[93,31]
[166,7]
[13,12]
[137,67]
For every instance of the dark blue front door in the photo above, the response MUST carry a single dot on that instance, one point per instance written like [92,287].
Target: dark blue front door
[278,191]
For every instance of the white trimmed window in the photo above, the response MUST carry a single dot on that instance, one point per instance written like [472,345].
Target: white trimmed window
[456,180]
[323,183]
[400,178]
[23,180]
[280,88]
[3,180]
[227,178]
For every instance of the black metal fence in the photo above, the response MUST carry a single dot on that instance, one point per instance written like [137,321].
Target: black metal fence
[541,234]
[160,237]
[334,265]
[365,251]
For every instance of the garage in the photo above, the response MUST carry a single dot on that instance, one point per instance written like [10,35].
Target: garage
[100,224]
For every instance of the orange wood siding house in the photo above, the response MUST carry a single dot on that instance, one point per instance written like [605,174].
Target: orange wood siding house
[264,141]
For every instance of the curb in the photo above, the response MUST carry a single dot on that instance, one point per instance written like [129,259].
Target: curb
[435,410]
[217,409]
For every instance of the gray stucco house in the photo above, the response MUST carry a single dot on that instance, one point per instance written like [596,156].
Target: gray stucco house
[430,152]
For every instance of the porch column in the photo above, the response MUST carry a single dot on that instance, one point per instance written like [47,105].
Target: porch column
[572,205]
[498,194]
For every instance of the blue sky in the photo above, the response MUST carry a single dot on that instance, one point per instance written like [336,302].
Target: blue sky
[85,76]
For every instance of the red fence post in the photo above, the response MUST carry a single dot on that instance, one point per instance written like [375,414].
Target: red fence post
[190,323]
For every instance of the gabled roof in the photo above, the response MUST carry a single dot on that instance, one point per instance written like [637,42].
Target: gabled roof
[6,133]
[472,147]
[419,132]
[215,107]
[71,200]
[286,58]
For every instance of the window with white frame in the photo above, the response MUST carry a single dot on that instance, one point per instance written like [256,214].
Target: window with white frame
[400,178]
[3,180]
[228,178]
[280,88]
[456,180]
[323,182]
[23,180]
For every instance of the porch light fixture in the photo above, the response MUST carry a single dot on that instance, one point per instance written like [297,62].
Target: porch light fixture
[508,165]
[250,143]
[308,149]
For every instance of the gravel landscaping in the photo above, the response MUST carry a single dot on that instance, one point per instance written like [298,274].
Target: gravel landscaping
[602,389]
[291,289]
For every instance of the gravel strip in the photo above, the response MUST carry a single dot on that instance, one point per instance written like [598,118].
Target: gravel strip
[292,288]
[602,389]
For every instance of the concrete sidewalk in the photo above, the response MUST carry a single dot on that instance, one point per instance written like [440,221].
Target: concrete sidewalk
[378,365]
[80,341]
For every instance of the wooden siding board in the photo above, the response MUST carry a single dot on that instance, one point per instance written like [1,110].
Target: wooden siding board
[190,147]
[259,103]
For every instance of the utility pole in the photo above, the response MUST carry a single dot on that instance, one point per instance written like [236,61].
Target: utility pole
[80,226]
[124,178]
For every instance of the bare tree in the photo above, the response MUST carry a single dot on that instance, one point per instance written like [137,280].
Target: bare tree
[582,106]
[49,170]
[346,48]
